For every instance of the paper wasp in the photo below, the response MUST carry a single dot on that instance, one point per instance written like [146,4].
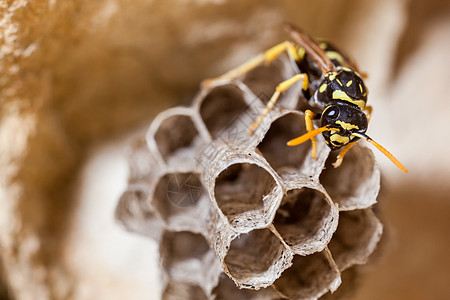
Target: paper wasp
[339,94]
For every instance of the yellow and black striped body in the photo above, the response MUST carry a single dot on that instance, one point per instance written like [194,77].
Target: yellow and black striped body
[337,97]
[334,91]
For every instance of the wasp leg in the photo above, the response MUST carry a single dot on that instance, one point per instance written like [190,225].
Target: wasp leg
[341,155]
[280,89]
[267,57]
[309,116]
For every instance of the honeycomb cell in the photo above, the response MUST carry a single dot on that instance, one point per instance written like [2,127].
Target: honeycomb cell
[355,184]
[306,220]
[141,161]
[273,147]
[309,277]
[183,250]
[221,111]
[186,257]
[175,136]
[182,290]
[263,80]
[242,191]
[356,237]
[255,259]
[181,201]
[350,281]
[226,289]
[135,213]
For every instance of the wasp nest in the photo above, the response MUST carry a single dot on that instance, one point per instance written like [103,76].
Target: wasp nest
[229,209]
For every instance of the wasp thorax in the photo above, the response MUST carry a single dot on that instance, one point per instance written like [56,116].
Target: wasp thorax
[351,82]
[344,86]
[347,120]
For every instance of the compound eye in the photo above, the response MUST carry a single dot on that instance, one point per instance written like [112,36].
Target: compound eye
[333,113]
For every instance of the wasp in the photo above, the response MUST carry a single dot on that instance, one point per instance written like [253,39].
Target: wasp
[334,88]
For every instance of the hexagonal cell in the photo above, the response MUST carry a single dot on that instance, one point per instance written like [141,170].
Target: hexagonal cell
[256,259]
[221,110]
[185,256]
[306,220]
[309,277]
[135,213]
[356,183]
[263,80]
[273,147]
[356,237]
[182,290]
[141,161]
[181,201]
[183,250]
[177,138]
[348,287]
[226,289]
[243,192]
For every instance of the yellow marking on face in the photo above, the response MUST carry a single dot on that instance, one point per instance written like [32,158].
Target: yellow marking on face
[347,69]
[323,87]
[335,55]
[332,76]
[360,88]
[339,139]
[323,45]
[349,83]
[338,81]
[346,126]
[341,95]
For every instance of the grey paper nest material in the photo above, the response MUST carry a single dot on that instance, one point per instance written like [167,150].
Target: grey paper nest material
[226,206]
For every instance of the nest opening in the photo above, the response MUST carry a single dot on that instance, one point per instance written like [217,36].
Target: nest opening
[302,215]
[141,160]
[351,280]
[240,192]
[251,255]
[175,134]
[134,202]
[354,175]
[355,238]
[178,195]
[263,80]
[221,108]
[135,213]
[309,277]
[184,250]
[182,290]
[273,147]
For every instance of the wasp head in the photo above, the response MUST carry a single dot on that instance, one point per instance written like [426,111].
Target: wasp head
[344,120]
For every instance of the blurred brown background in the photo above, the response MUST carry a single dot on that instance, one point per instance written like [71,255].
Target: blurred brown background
[79,78]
